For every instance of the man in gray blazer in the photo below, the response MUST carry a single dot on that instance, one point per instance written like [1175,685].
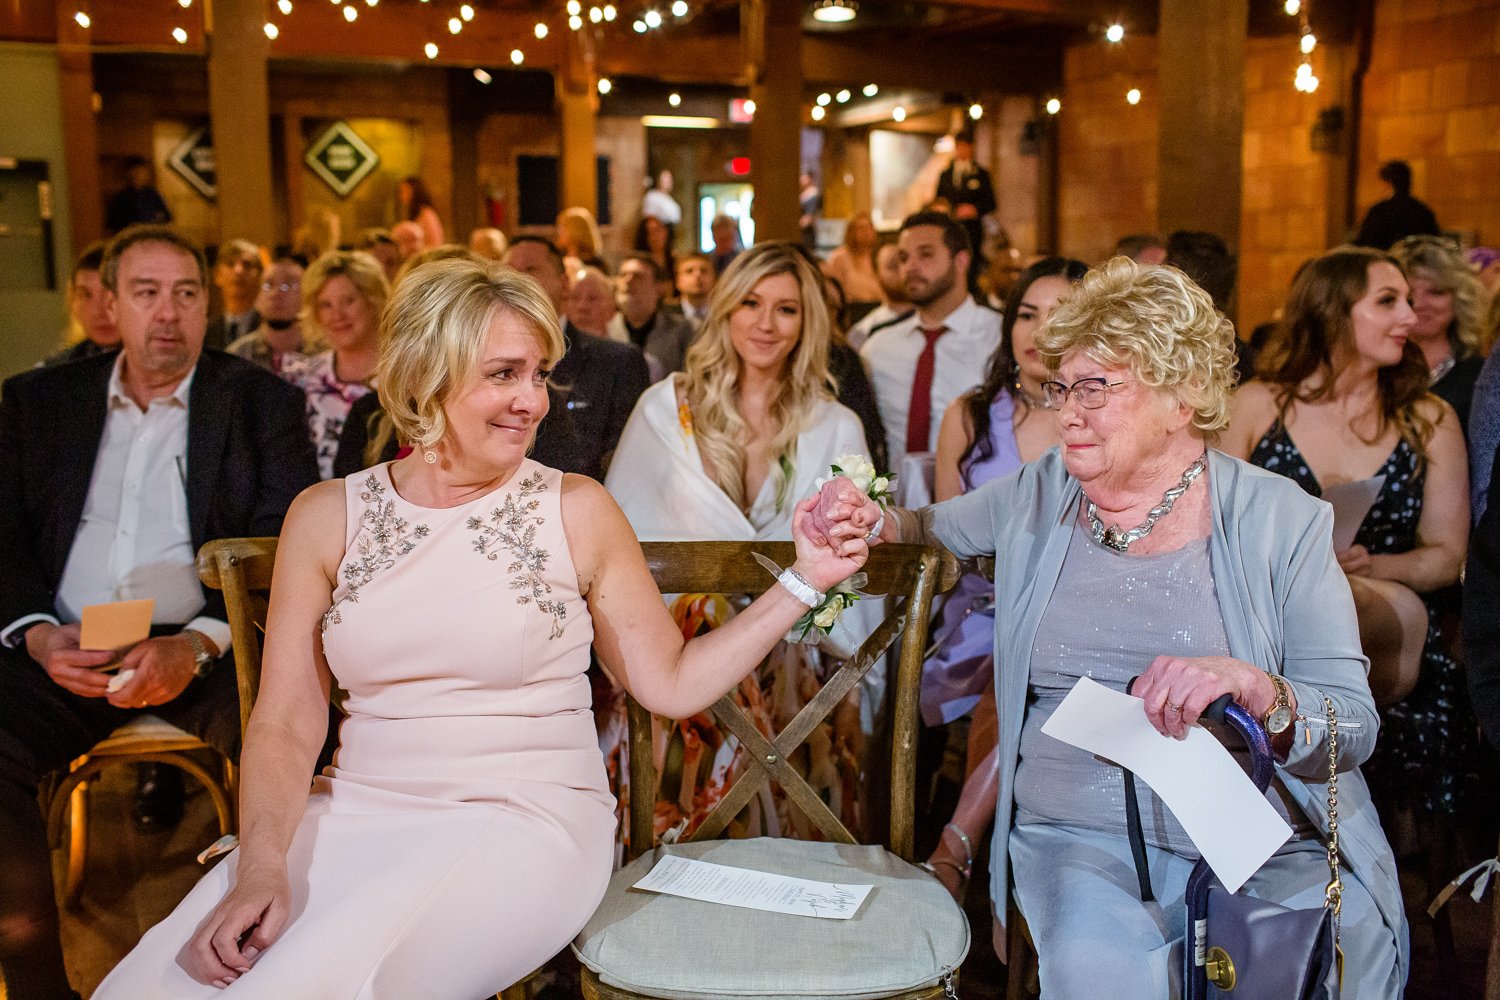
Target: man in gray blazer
[663,335]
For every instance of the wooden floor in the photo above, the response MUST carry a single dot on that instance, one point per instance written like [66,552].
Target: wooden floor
[135,880]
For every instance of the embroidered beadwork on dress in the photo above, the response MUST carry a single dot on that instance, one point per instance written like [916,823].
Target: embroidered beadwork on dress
[512,528]
[384,538]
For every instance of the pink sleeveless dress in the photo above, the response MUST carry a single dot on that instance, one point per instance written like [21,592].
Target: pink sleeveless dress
[465,831]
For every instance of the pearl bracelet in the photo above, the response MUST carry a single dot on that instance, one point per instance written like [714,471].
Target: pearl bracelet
[799,588]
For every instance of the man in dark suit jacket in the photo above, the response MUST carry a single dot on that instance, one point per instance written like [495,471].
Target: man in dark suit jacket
[1481,615]
[967,187]
[599,379]
[114,470]
[663,334]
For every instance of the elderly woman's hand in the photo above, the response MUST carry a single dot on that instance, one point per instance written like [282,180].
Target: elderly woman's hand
[1176,689]
[831,560]
[840,504]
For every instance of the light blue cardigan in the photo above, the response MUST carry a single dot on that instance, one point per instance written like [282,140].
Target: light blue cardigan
[1287,609]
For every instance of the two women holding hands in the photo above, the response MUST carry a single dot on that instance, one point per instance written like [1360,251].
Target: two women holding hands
[1138,549]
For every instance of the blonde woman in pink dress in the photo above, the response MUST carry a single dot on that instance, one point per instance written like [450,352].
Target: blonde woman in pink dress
[465,830]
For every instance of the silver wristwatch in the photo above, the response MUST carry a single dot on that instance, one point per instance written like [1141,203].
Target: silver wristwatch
[203,660]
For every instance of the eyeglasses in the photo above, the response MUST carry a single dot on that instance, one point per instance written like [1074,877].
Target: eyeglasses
[283,286]
[1091,393]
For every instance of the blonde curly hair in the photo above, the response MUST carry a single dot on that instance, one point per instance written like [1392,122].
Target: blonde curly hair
[1155,321]
[712,374]
[1437,260]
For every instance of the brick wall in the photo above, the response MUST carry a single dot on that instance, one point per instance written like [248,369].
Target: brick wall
[1106,148]
[1432,98]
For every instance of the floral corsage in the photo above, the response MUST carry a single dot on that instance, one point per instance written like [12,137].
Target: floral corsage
[824,609]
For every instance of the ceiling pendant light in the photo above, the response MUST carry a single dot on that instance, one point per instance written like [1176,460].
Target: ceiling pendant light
[835,11]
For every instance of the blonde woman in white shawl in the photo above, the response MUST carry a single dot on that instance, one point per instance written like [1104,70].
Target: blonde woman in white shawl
[722,451]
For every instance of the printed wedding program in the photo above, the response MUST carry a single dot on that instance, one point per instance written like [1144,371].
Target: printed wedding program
[753,890]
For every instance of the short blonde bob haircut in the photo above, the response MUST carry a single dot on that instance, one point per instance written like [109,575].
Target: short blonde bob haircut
[1156,322]
[359,267]
[434,332]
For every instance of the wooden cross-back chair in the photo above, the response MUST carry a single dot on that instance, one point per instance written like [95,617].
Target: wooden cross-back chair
[913,576]
[910,576]
[241,569]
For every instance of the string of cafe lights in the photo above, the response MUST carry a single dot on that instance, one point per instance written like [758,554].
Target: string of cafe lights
[1305,80]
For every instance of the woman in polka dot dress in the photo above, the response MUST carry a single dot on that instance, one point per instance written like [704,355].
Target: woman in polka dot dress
[1341,396]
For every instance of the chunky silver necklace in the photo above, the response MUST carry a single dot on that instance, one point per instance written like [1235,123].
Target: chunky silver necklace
[1112,537]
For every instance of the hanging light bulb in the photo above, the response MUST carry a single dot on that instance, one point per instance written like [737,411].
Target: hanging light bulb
[1115,33]
[842,96]
[350,14]
[271,31]
[1292,7]
[674,99]
[818,113]
[455,25]
[575,22]
[482,76]
[540,30]
[610,13]
[750,108]
[1133,96]
[604,85]
[517,57]
[976,111]
[639,27]
[1308,43]
[870,90]
[824,99]
[898,114]
[82,19]
[180,36]
[466,12]
[595,15]
[679,8]
[285,6]
[574,8]
[652,19]
[431,49]
[1053,106]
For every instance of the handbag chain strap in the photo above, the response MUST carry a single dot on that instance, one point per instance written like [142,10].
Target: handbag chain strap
[1333,896]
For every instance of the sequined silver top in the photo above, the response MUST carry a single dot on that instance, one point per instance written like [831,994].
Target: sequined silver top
[1109,617]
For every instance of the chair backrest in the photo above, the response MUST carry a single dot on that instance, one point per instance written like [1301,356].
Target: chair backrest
[241,568]
[910,576]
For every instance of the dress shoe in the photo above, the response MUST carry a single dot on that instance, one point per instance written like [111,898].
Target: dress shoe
[158,798]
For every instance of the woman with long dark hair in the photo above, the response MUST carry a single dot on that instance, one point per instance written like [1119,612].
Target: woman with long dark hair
[1341,396]
[987,433]
[417,206]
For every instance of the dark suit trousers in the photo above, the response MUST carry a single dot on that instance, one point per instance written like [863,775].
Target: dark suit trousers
[42,728]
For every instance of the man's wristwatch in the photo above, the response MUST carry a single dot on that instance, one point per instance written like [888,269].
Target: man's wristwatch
[203,660]
[1278,719]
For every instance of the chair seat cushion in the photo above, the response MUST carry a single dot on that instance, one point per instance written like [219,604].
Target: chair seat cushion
[909,933]
[146,733]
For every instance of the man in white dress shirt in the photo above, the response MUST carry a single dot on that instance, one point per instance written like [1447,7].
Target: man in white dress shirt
[921,364]
[113,471]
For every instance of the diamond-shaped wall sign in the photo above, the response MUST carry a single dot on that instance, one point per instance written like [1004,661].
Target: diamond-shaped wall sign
[193,161]
[341,158]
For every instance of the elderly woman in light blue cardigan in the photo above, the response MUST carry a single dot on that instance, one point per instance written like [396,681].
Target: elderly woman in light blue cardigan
[1137,549]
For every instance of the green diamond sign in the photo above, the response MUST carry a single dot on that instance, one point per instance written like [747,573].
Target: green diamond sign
[341,158]
[193,161]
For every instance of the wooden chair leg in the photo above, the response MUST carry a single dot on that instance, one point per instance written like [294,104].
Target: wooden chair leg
[78,844]
[1021,960]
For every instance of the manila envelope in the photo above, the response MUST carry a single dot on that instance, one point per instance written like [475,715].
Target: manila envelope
[118,625]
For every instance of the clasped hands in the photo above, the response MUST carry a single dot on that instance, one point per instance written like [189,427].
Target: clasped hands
[841,511]
[163,666]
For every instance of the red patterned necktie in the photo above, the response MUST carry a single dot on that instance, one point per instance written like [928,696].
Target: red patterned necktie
[919,414]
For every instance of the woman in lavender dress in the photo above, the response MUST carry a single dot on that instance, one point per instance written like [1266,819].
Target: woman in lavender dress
[986,434]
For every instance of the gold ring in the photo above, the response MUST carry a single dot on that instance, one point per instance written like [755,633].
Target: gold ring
[1175,708]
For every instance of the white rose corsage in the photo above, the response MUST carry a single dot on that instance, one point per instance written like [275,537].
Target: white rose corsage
[860,471]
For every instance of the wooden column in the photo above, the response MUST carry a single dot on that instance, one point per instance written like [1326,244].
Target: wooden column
[1201,59]
[75,64]
[771,34]
[239,108]
[578,111]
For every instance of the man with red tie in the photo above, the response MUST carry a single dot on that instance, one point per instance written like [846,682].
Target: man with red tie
[921,364]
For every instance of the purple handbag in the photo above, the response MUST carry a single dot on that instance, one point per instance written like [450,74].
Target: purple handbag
[1254,948]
